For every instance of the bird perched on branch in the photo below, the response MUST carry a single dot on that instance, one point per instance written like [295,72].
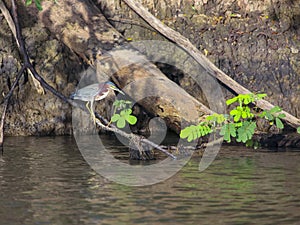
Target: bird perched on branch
[94,92]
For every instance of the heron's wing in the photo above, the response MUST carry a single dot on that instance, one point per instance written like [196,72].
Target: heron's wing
[87,93]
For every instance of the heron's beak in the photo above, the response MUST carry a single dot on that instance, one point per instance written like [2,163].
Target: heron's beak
[118,90]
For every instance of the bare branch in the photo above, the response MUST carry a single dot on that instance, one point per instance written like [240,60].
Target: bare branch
[5,104]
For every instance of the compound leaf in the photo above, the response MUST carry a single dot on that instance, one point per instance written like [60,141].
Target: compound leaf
[246,131]
[228,130]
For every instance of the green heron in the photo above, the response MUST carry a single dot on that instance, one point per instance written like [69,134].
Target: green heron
[94,92]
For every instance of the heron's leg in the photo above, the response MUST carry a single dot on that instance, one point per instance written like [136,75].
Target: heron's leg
[92,112]
[87,106]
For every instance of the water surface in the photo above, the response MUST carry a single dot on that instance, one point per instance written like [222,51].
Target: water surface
[47,181]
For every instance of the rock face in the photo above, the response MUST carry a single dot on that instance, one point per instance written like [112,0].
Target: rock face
[30,112]
[255,42]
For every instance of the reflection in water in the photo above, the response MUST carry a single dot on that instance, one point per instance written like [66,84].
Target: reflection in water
[46,181]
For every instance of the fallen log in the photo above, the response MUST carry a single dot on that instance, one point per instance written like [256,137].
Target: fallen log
[82,27]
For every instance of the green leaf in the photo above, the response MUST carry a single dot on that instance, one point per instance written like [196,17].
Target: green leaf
[279,123]
[260,96]
[185,132]
[115,117]
[245,99]
[231,100]
[194,132]
[298,130]
[262,114]
[190,132]
[236,113]
[28,2]
[246,131]
[228,130]
[219,118]
[252,144]
[281,115]
[38,4]
[121,122]
[269,116]
[248,98]
[204,130]
[275,109]
[131,119]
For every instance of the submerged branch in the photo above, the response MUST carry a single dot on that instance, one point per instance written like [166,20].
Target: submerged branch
[132,137]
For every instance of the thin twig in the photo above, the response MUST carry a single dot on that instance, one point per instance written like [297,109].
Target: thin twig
[9,20]
[5,104]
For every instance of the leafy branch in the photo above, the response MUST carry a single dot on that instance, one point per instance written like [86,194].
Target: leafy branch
[124,115]
[240,124]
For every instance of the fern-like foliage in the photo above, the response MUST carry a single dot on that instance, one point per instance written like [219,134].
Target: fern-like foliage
[240,124]
[194,132]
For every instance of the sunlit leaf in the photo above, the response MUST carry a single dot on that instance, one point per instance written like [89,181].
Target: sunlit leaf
[279,123]
[231,100]
[194,132]
[38,4]
[269,116]
[219,118]
[115,117]
[298,130]
[236,113]
[185,132]
[131,119]
[247,99]
[28,2]
[121,122]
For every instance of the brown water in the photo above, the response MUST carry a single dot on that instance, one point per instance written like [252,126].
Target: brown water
[46,181]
